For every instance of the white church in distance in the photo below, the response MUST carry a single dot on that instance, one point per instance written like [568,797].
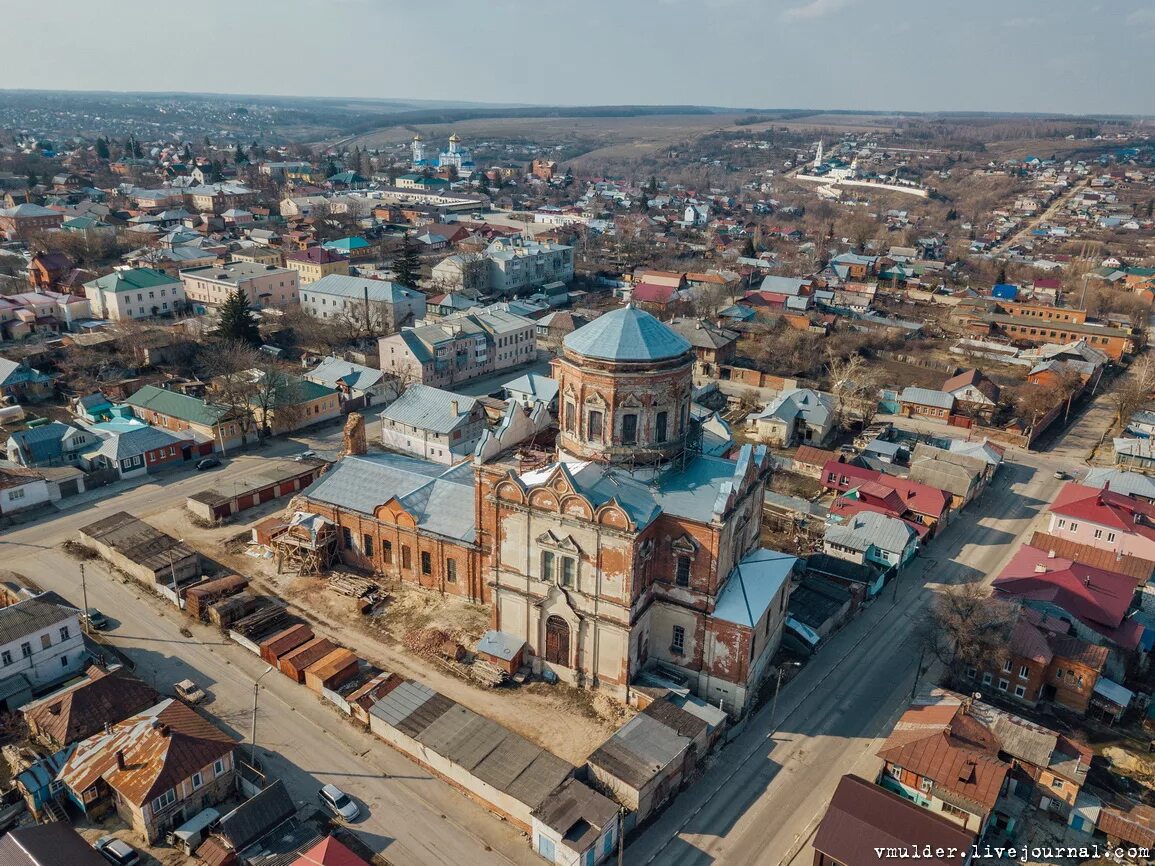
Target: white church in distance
[456,156]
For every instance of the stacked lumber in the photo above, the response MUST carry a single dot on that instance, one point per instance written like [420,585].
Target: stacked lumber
[225,612]
[352,585]
[263,620]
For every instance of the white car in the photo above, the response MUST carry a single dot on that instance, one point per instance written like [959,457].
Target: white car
[339,803]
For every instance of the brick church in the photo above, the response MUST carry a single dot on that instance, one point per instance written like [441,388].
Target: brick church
[626,555]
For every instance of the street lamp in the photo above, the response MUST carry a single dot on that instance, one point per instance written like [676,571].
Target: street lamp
[172,571]
[253,738]
[777,688]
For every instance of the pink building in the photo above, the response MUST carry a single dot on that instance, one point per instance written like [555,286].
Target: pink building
[263,285]
[1104,519]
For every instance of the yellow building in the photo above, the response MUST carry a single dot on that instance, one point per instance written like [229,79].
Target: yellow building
[316,262]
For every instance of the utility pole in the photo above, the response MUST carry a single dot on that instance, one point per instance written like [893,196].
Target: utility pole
[621,835]
[84,596]
[253,737]
[917,672]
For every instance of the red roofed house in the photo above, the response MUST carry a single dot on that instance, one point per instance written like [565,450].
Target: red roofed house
[863,818]
[1094,600]
[1104,519]
[1043,664]
[329,852]
[653,297]
[973,392]
[921,506]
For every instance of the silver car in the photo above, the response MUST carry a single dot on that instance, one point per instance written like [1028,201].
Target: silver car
[339,803]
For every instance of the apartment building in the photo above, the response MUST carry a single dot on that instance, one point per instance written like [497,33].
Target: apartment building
[262,285]
[135,293]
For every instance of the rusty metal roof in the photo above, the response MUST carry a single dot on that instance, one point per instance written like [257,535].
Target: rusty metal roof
[161,746]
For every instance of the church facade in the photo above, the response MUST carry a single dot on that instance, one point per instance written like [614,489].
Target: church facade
[456,156]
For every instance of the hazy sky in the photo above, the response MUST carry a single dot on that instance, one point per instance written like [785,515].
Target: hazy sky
[920,55]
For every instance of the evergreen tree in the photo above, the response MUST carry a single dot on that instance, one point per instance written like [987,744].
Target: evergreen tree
[748,250]
[406,266]
[239,155]
[102,151]
[1002,277]
[32,179]
[136,149]
[236,321]
[216,172]
[186,156]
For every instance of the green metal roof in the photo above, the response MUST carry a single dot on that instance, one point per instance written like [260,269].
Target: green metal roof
[132,280]
[176,405]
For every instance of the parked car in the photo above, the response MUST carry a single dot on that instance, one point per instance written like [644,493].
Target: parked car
[96,619]
[1062,476]
[208,463]
[116,851]
[189,692]
[305,455]
[339,803]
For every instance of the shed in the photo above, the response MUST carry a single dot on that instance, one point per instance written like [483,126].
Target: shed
[284,642]
[333,669]
[199,597]
[228,610]
[362,698]
[502,649]
[293,664]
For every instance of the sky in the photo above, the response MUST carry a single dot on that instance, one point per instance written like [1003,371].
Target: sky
[1059,56]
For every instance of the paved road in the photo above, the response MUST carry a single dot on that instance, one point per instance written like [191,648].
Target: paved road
[412,817]
[1038,219]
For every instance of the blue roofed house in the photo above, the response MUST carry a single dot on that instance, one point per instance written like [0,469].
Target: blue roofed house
[21,383]
[531,388]
[356,383]
[867,536]
[926,403]
[54,444]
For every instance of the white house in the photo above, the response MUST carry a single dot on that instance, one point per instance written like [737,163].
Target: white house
[433,424]
[380,304]
[696,214]
[40,644]
[135,293]
[21,488]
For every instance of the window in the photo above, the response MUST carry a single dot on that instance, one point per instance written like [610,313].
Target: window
[367,544]
[219,767]
[346,537]
[1007,666]
[568,571]
[948,809]
[1110,536]
[678,640]
[986,679]
[594,425]
[547,568]
[570,416]
[164,801]
[925,785]
[629,429]
[18,493]
[1074,526]
[426,562]
[406,557]
[1062,524]
[197,780]
[387,551]
[1020,691]
[65,633]
[682,571]
[451,571]
[660,427]
[6,658]
[1003,685]
[971,672]
[26,649]
[1056,783]
[1098,533]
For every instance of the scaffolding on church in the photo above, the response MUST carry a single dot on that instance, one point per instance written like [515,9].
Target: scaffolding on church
[307,544]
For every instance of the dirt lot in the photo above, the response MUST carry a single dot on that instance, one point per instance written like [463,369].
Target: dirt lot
[569,722]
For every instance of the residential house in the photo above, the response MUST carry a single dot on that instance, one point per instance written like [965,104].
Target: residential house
[43,311]
[515,264]
[1043,663]
[135,293]
[23,221]
[41,644]
[864,580]
[973,392]
[962,477]
[1137,454]
[48,270]
[438,306]
[22,383]
[132,448]
[433,424]
[926,403]
[316,262]
[1096,602]
[714,347]
[809,460]
[261,285]
[531,388]
[1115,342]
[21,488]
[375,305]
[156,769]
[923,507]
[796,415]
[52,444]
[216,198]
[459,348]
[82,709]
[864,819]
[355,384]
[352,248]
[50,844]
[868,536]
[329,851]
[282,403]
[212,426]
[554,327]
[1105,519]
[575,825]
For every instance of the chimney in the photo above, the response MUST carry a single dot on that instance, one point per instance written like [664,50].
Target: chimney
[120,762]
[454,406]
[1086,581]
[1050,554]
[163,730]
[1107,485]
[1040,568]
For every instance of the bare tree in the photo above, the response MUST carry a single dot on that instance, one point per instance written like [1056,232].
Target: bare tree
[855,385]
[231,364]
[969,628]
[275,399]
[1133,389]
[1033,402]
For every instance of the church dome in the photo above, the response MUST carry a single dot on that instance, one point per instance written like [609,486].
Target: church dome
[627,334]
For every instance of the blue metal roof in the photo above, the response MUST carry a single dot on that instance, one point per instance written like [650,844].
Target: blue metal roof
[627,334]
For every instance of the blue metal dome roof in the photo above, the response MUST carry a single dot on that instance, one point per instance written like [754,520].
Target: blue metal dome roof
[627,334]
